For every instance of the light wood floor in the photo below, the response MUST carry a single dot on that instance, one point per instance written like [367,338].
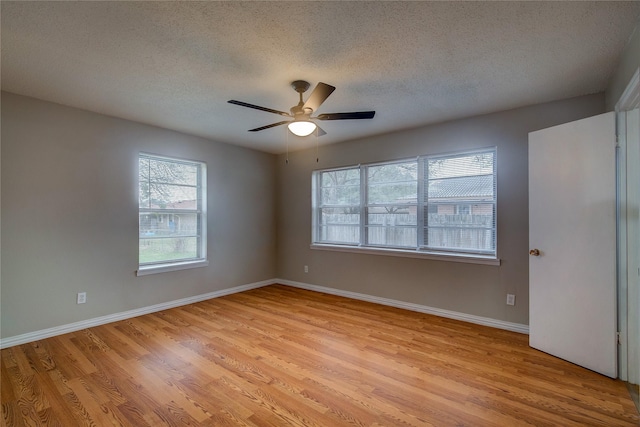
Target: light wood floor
[278,356]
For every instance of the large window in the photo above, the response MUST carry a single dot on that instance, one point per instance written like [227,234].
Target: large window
[172,212]
[430,204]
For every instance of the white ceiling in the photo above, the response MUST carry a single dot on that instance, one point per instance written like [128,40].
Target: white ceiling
[175,64]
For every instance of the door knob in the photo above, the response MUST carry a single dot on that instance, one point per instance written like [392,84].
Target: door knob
[534,252]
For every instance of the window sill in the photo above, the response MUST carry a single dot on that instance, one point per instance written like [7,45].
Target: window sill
[469,259]
[163,268]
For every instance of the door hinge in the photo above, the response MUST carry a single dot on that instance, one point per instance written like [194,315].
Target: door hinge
[618,338]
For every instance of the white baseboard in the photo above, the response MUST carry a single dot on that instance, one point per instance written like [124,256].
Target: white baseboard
[485,321]
[102,320]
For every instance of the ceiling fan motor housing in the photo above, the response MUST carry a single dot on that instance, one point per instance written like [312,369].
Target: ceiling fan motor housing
[300,86]
[298,110]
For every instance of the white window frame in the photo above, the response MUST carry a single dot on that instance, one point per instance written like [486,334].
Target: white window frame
[422,249]
[201,211]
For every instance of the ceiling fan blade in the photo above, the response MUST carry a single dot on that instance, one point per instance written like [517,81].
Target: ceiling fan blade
[272,125]
[347,116]
[320,93]
[257,107]
[320,131]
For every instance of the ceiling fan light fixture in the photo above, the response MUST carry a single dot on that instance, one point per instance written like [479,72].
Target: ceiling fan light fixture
[302,127]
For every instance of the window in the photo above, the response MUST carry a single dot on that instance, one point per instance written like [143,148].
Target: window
[339,206]
[391,204]
[430,204]
[460,189]
[172,214]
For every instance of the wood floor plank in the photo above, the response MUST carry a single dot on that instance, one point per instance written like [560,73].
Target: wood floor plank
[11,415]
[98,412]
[70,362]
[7,393]
[277,356]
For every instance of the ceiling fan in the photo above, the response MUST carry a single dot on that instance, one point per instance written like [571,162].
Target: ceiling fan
[302,123]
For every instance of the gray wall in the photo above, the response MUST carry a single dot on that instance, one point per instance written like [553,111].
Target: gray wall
[468,288]
[69,215]
[628,64]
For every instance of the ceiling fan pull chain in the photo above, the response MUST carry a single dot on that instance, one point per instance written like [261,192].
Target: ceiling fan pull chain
[287,139]
[317,147]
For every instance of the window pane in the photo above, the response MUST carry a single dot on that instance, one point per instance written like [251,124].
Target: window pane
[339,234]
[340,178]
[394,186]
[165,196]
[346,195]
[392,215]
[392,236]
[143,168]
[460,203]
[168,249]
[158,224]
[460,216]
[469,239]
[405,192]
[341,187]
[143,180]
[340,216]
[464,165]
[477,188]
[173,172]
[395,172]
[393,183]
[339,225]
[143,194]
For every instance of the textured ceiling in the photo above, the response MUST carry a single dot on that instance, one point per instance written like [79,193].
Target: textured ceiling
[175,64]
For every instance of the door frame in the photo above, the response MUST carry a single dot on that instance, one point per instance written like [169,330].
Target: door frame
[629,100]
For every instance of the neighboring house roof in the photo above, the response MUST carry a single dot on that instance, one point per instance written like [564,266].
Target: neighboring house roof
[468,187]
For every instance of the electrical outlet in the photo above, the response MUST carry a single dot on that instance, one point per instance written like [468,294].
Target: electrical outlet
[511,299]
[306,268]
[82,298]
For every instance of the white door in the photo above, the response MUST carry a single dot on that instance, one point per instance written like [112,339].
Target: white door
[572,237]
